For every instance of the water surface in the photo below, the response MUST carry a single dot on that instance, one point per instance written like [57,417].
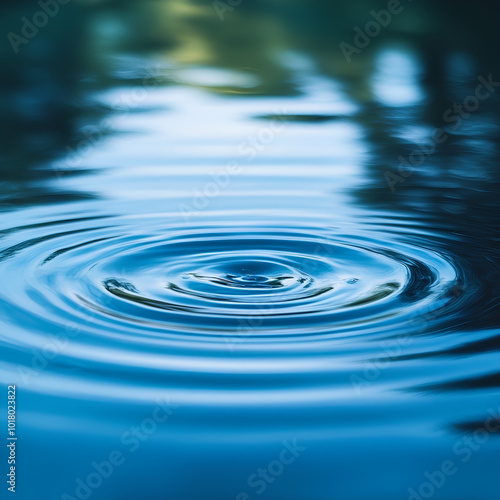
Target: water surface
[208,254]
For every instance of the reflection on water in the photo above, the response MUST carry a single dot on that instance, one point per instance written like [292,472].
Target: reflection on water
[246,265]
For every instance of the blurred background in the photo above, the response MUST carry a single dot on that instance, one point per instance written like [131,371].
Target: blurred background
[430,54]
[123,109]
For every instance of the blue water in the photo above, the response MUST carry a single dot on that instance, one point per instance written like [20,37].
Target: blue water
[215,281]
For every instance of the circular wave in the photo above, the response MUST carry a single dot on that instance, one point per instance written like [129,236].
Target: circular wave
[140,303]
[215,281]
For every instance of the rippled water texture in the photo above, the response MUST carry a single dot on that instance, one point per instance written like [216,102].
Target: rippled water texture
[223,261]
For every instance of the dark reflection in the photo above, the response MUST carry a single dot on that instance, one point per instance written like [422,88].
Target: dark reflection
[40,99]
[483,429]
[49,118]
[302,118]
[489,381]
